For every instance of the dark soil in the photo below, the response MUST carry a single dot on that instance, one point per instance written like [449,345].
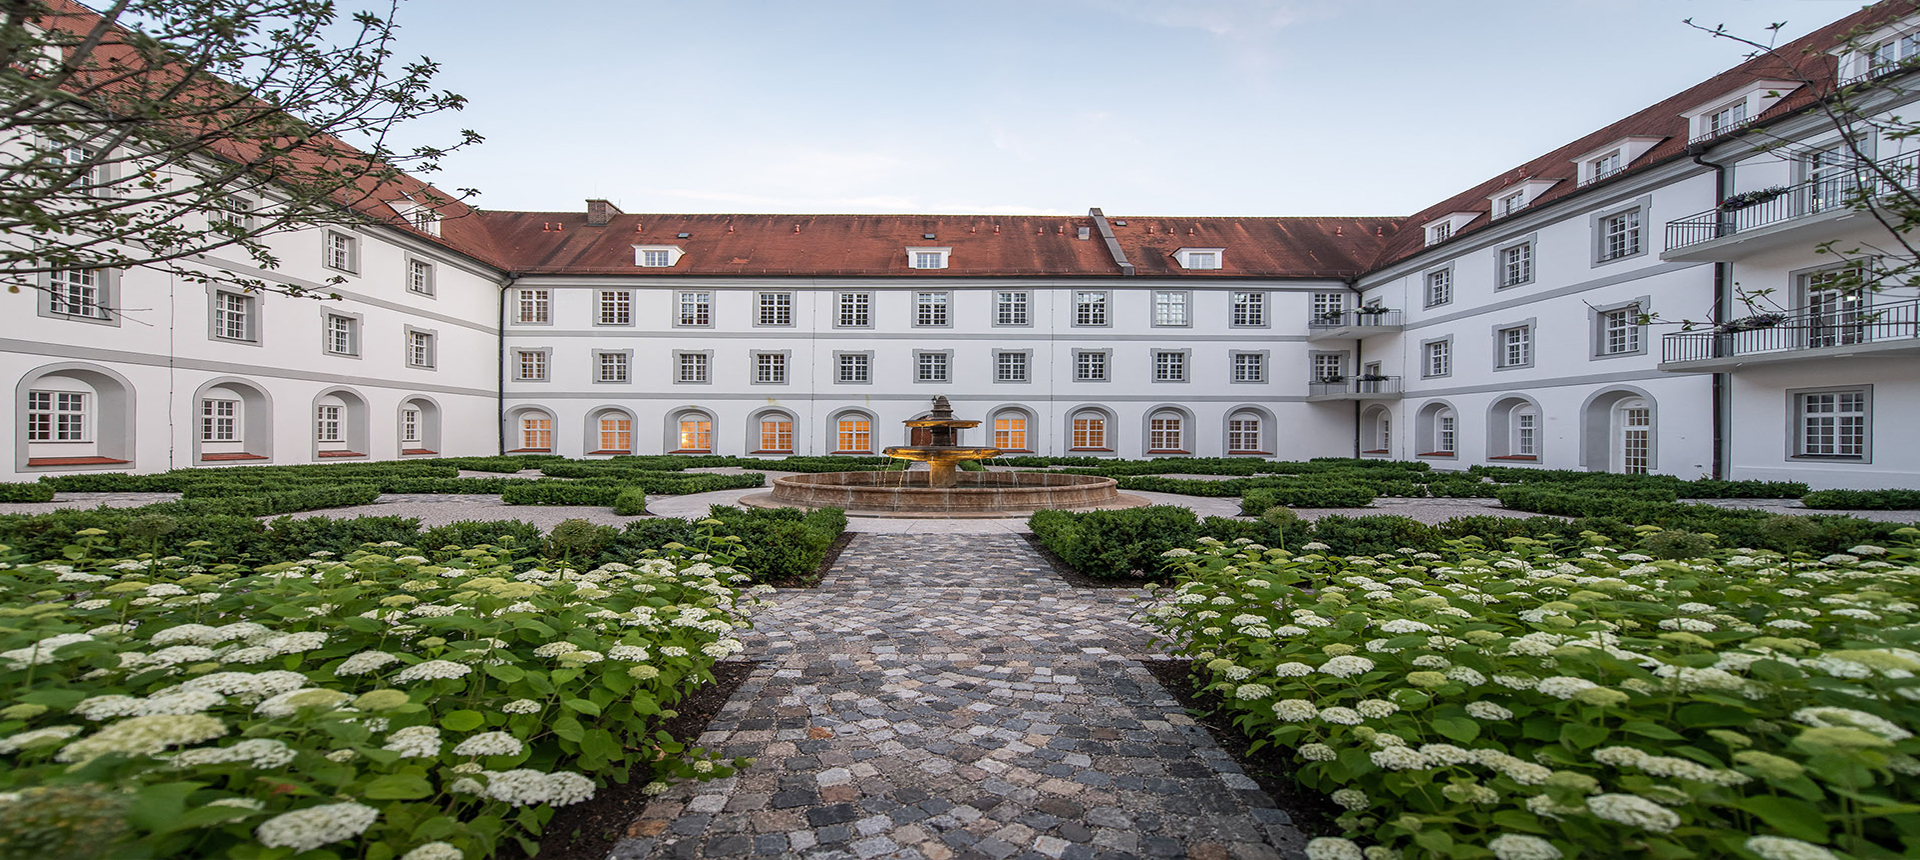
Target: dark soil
[812,580]
[588,831]
[1073,576]
[1312,812]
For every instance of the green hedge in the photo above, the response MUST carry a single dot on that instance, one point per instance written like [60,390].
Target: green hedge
[1112,544]
[1708,488]
[26,492]
[578,493]
[631,502]
[1259,500]
[1864,500]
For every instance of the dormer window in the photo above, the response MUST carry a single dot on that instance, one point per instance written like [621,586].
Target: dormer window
[1733,111]
[1444,228]
[1727,118]
[1613,158]
[1518,196]
[1438,233]
[418,215]
[1200,258]
[1604,166]
[656,256]
[928,258]
[1890,54]
[1513,203]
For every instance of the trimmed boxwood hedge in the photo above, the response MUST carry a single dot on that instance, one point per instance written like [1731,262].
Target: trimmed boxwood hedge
[26,492]
[1257,501]
[1864,500]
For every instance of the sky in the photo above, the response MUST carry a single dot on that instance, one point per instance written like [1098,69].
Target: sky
[1141,107]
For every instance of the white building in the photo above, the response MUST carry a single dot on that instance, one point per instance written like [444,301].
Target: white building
[1501,326]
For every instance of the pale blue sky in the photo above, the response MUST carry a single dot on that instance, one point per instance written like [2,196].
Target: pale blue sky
[1176,107]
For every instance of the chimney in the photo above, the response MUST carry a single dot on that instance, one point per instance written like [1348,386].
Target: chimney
[599,212]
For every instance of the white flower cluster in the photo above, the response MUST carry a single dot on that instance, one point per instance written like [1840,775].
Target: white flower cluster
[524,787]
[311,827]
[257,753]
[414,742]
[489,744]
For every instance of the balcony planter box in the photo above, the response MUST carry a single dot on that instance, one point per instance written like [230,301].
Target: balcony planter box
[1371,311]
[1751,198]
[1332,318]
[1752,323]
[1371,377]
[1332,380]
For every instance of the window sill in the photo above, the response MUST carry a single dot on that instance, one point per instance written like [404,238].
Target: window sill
[1016,450]
[1094,450]
[76,461]
[531,451]
[1252,453]
[415,452]
[1377,451]
[215,458]
[1442,454]
[1525,457]
[334,454]
[687,451]
[1167,451]
[620,451]
[1844,458]
[782,451]
[853,453]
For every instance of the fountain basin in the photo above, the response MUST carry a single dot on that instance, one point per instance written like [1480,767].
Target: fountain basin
[974,493]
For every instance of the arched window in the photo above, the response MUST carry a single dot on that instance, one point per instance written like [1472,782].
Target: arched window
[233,421]
[853,433]
[1514,429]
[340,424]
[1245,433]
[1617,433]
[1010,428]
[1437,431]
[419,426]
[1376,431]
[535,432]
[1633,436]
[694,431]
[1166,433]
[1089,428]
[76,415]
[612,431]
[775,434]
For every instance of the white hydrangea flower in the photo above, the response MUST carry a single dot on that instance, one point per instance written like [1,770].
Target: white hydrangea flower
[1292,670]
[1821,718]
[314,826]
[432,670]
[1347,666]
[1634,811]
[1564,687]
[415,742]
[1341,716]
[260,753]
[144,736]
[489,744]
[1784,848]
[239,803]
[1517,846]
[1295,710]
[1376,709]
[1317,752]
[37,737]
[434,851]
[41,652]
[1488,711]
[289,703]
[1351,798]
[1330,847]
[364,662]
[521,706]
[1398,758]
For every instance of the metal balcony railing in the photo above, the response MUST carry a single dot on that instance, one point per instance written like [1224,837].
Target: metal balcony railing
[1847,189]
[1355,317]
[1842,323]
[1362,386]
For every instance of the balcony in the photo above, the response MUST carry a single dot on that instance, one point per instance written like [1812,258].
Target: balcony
[1358,322]
[1850,330]
[1353,388]
[1805,214]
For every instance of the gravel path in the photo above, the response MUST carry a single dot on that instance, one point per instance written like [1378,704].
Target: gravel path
[954,699]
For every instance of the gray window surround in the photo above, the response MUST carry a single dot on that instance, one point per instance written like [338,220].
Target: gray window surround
[546,363]
[429,442]
[1533,260]
[1314,300]
[946,309]
[1598,240]
[1106,367]
[1026,366]
[433,276]
[760,297]
[1109,422]
[107,299]
[1425,367]
[1106,309]
[1531,324]
[1013,411]
[255,319]
[590,428]
[1426,437]
[839,308]
[353,251]
[1153,309]
[1265,302]
[1426,285]
[786,367]
[1186,365]
[525,291]
[1146,424]
[833,429]
[947,369]
[1597,330]
[1233,366]
[433,348]
[596,366]
[680,296]
[255,421]
[679,378]
[1796,427]
[671,434]
[632,312]
[996,323]
[111,420]
[1503,426]
[358,329]
[1267,432]
[837,358]
[761,417]
[1313,360]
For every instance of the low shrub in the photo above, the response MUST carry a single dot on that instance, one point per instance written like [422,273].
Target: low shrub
[780,543]
[518,535]
[1367,535]
[1863,500]
[578,542]
[1111,544]
[1708,488]
[1461,487]
[26,492]
[1259,500]
[576,493]
[631,502]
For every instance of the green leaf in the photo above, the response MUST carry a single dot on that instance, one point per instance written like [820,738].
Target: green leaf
[1581,735]
[1460,729]
[506,673]
[1712,715]
[1796,818]
[569,728]
[463,721]
[582,706]
[398,787]
[1514,819]
[1650,730]
[157,806]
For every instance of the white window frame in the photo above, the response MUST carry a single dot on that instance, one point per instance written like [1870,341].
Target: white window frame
[1247,309]
[219,419]
[1629,314]
[933,365]
[1012,308]
[773,309]
[329,423]
[692,367]
[532,365]
[1201,259]
[932,309]
[533,306]
[613,307]
[235,317]
[1170,365]
[340,251]
[1514,264]
[1092,308]
[693,309]
[1436,358]
[1802,439]
[421,276]
[853,309]
[613,366]
[89,295]
[58,416]
[340,334]
[1438,287]
[1172,309]
[853,367]
[770,367]
[1013,366]
[1513,345]
[422,348]
[928,258]
[1086,361]
[1249,366]
[1634,241]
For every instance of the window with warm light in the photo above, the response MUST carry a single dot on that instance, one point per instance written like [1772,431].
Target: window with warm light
[855,436]
[616,435]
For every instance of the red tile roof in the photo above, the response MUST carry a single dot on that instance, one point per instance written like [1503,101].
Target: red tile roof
[1255,247]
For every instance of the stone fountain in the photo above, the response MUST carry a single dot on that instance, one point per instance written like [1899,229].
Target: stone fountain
[943,490]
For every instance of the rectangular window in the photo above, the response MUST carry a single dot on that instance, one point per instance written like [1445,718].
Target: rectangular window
[696,435]
[535,307]
[696,309]
[613,367]
[776,435]
[855,367]
[928,260]
[930,309]
[420,277]
[693,367]
[536,433]
[1010,434]
[419,349]
[532,364]
[1620,235]
[1089,433]
[1010,366]
[219,420]
[930,367]
[856,310]
[1169,366]
[326,424]
[616,307]
[1516,265]
[1439,287]
[1835,308]
[1727,118]
[1525,434]
[855,436]
[1833,424]
[1249,367]
[656,258]
[1440,232]
[343,252]
[1202,260]
[1010,308]
[1513,203]
[775,309]
[1437,359]
[1169,307]
[1604,166]
[341,339]
[1243,435]
[1164,435]
[1249,308]
[92,183]
[410,426]
[1620,331]
[232,316]
[770,367]
[76,292]
[1516,346]
[616,435]
[1090,366]
[1327,307]
[1330,366]
[56,416]
[1445,435]
[1089,308]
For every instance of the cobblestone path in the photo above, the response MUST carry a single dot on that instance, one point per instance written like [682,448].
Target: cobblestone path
[949,696]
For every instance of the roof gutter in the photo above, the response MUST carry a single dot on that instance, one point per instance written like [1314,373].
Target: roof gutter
[1113,244]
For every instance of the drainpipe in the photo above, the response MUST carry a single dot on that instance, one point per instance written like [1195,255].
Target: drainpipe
[1722,282]
[500,369]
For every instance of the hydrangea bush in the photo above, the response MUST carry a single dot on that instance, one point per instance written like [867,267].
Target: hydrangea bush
[377,706]
[1528,705]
